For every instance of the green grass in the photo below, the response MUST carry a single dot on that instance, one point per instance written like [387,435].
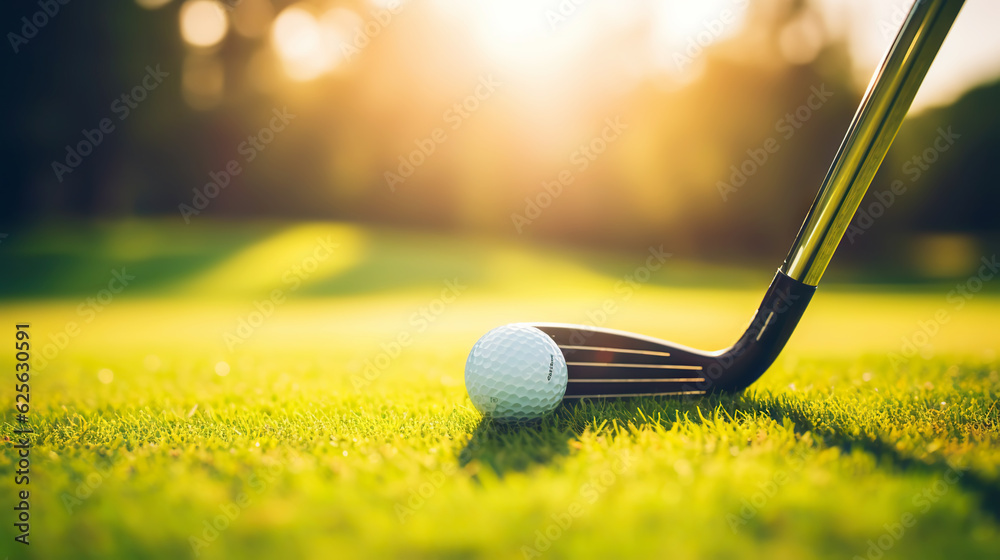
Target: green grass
[837,445]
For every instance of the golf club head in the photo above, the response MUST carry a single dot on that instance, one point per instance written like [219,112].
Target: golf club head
[606,363]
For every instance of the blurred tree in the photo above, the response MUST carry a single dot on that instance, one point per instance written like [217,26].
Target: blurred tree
[689,172]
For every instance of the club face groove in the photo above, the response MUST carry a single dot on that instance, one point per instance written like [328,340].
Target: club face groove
[629,395]
[627,366]
[569,347]
[641,380]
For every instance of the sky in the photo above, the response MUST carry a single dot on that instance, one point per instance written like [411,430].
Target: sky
[969,56]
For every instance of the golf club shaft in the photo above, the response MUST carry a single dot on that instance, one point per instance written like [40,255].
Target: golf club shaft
[868,139]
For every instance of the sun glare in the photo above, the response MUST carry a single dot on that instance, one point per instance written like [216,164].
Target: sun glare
[512,21]
[679,20]
[525,34]
[682,30]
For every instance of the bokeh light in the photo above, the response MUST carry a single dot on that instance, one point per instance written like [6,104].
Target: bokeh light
[105,376]
[801,39]
[152,4]
[296,33]
[203,23]
[298,38]
[309,46]
[152,363]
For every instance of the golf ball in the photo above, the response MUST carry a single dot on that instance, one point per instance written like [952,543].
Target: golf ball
[515,372]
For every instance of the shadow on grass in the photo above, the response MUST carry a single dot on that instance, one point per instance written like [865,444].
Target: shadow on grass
[506,447]
[516,447]
[834,434]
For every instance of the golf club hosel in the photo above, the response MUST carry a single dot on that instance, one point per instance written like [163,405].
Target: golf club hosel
[744,362]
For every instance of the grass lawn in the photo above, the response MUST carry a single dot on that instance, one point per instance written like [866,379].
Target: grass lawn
[200,413]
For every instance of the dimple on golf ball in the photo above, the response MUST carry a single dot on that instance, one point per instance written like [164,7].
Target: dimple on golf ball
[515,372]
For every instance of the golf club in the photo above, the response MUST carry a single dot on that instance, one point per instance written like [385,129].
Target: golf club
[605,363]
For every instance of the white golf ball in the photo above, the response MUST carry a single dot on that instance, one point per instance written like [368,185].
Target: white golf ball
[515,372]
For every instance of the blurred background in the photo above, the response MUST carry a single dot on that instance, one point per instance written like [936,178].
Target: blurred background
[450,116]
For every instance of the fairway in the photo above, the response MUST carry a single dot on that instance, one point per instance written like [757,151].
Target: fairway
[296,391]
